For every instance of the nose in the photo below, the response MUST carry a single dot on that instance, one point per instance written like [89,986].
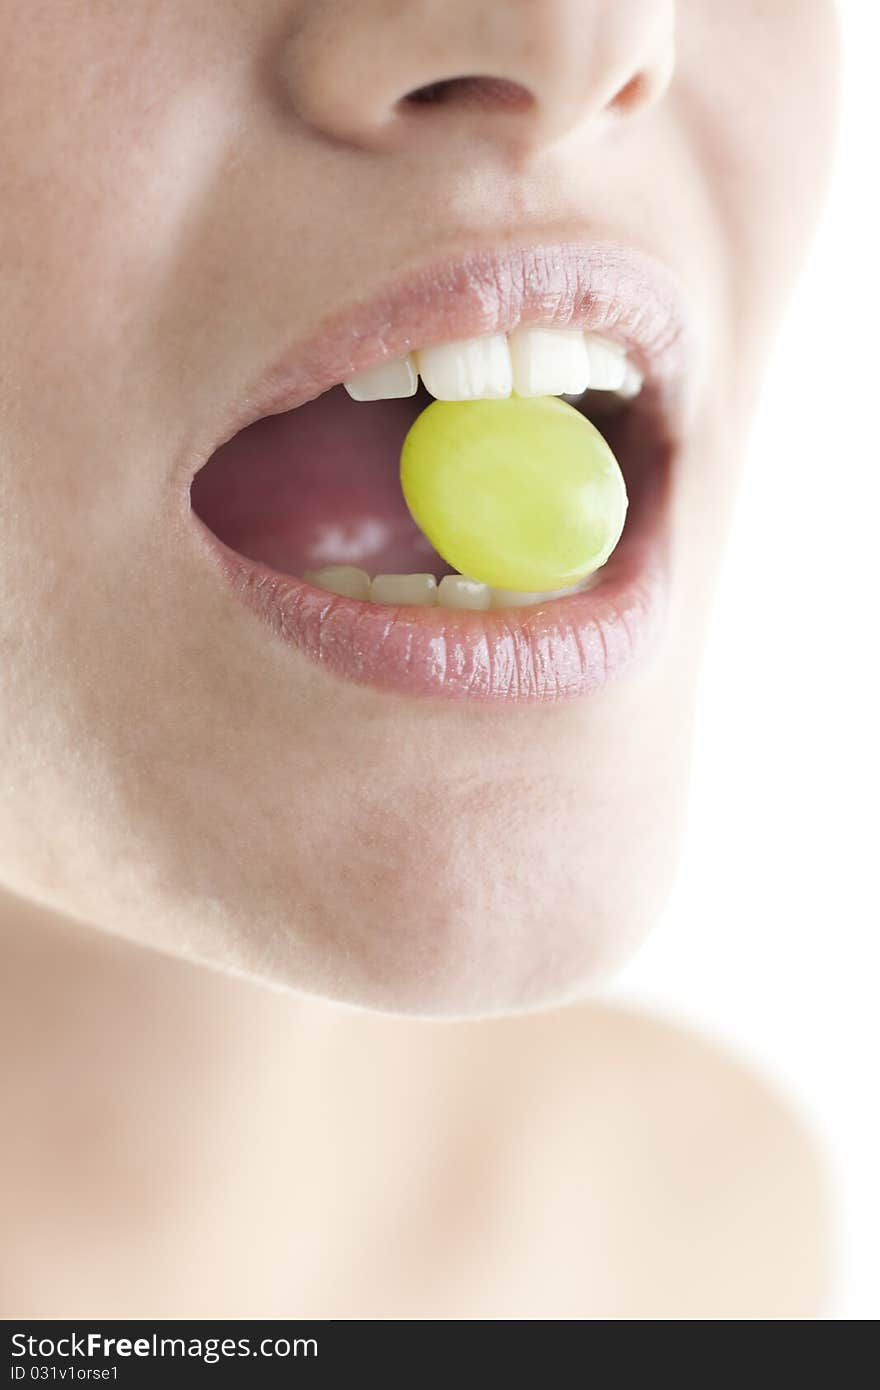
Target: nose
[523,73]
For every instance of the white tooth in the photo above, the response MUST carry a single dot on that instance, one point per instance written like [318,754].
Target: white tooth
[404,588]
[341,579]
[631,384]
[549,362]
[455,591]
[386,382]
[515,598]
[607,363]
[474,369]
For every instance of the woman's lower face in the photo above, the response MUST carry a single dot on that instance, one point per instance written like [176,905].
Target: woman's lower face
[214,212]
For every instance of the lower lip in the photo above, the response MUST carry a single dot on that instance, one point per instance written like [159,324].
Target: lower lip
[565,648]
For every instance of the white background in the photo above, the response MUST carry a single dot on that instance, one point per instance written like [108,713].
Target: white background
[772,938]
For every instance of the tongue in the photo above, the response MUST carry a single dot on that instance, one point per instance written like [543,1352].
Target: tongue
[318,486]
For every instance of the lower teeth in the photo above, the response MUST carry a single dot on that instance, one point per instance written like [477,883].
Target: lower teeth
[453,591]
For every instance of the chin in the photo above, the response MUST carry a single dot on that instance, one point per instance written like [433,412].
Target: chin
[513,901]
[468,946]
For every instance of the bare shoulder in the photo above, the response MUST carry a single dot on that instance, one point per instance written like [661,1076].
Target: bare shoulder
[678,1181]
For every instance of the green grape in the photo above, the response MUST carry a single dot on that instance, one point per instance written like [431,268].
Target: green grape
[522,493]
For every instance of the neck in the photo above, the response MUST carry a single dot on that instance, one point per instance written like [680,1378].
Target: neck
[224,1074]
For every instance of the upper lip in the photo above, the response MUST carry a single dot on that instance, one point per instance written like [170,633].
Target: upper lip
[598,286]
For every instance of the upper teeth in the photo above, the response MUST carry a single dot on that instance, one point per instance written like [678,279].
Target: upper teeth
[529,361]
[388,381]
[475,369]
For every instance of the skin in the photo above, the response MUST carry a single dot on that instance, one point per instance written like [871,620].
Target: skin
[170,776]
[180,1144]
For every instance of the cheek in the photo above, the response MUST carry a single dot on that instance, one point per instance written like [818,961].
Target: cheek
[116,123]
[757,92]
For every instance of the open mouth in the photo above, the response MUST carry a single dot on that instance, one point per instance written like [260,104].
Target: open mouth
[305,510]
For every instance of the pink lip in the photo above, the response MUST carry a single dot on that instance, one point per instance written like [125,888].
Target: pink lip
[567,647]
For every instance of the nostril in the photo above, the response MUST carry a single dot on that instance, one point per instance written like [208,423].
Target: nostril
[633,94]
[486,93]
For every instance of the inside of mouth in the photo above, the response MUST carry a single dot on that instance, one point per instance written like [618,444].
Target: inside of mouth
[319,485]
